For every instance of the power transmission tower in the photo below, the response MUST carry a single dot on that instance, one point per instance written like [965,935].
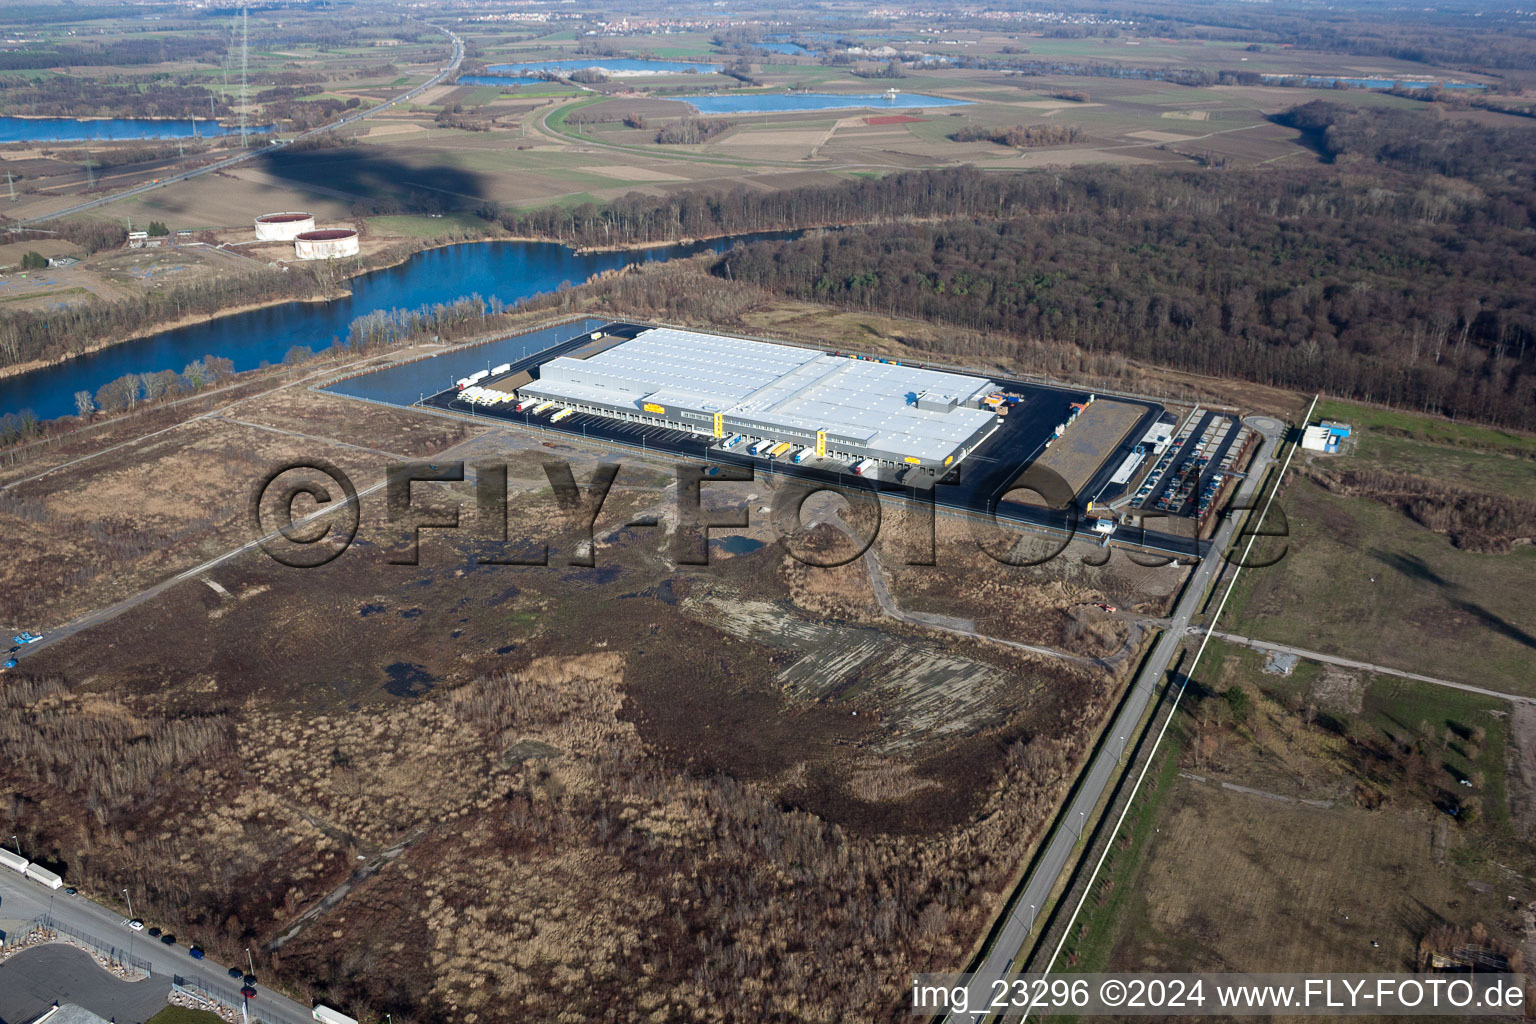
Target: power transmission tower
[245,54]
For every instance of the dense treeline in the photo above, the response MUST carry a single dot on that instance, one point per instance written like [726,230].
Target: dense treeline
[72,96]
[1381,284]
[1022,136]
[690,131]
[1405,140]
[27,335]
[1369,307]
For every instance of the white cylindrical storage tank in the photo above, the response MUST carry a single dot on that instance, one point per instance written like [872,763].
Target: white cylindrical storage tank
[283,227]
[326,244]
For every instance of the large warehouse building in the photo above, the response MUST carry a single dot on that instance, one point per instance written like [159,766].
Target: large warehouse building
[839,406]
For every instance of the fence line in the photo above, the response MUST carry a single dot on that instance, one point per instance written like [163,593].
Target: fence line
[109,951]
[208,990]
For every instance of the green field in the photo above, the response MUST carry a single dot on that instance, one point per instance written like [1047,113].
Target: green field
[1428,428]
[1361,580]
[183,1015]
[1311,833]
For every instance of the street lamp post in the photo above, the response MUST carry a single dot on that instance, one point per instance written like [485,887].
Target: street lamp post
[130,903]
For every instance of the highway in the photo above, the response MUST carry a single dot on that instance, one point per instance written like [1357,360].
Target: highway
[1053,859]
[447,72]
[23,899]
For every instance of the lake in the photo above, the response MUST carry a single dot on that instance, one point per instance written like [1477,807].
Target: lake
[612,65]
[510,271]
[773,103]
[70,129]
[499,80]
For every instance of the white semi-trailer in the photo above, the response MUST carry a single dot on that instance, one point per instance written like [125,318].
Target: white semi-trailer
[44,876]
[864,467]
[325,1015]
[15,861]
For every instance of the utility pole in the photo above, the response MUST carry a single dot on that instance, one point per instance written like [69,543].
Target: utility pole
[129,898]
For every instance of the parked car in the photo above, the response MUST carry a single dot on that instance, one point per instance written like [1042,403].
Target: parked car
[154,932]
[194,953]
[168,939]
[249,992]
[234,972]
[136,925]
[71,891]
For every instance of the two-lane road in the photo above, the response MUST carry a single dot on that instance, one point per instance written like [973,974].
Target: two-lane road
[22,899]
[1052,861]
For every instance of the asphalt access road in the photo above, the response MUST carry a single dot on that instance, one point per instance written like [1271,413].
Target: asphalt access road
[1055,855]
[23,899]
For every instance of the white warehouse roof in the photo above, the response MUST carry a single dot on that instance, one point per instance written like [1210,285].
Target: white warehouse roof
[775,385]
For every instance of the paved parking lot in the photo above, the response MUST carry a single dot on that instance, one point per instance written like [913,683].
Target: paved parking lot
[34,979]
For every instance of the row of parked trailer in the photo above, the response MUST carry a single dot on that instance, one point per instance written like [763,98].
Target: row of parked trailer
[19,864]
[477,395]
[476,378]
[768,448]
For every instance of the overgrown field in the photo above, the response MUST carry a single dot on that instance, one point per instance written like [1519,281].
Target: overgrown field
[1416,556]
[630,790]
[1322,821]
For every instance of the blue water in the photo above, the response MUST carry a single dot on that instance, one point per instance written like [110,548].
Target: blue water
[793,49]
[402,385]
[498,80]
[69,129]
[508,270]
[766,103]
[1371,83]
[612,65]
